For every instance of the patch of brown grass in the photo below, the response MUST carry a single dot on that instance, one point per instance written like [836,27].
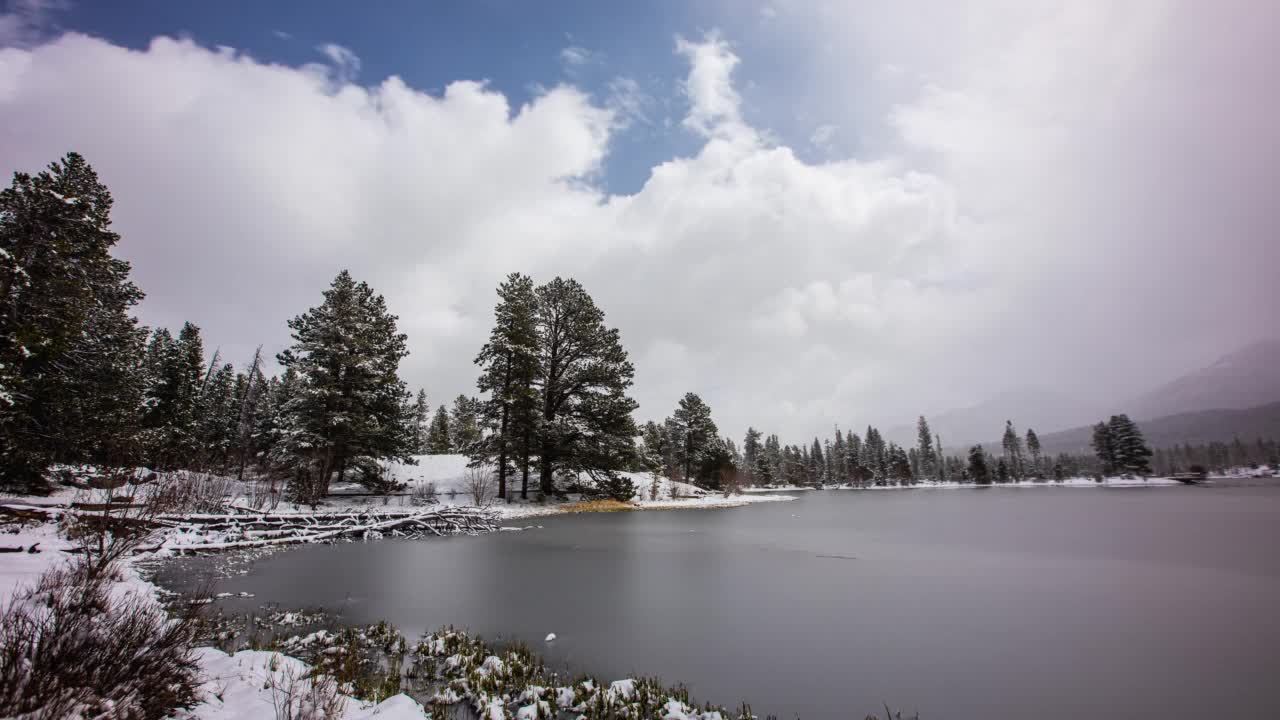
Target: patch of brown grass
[599,506]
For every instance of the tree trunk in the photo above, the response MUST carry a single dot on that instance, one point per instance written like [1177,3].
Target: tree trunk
[502,434]
[524,466]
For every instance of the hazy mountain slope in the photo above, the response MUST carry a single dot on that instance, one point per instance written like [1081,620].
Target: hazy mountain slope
[1039,409]
[1193,427]
[1246,378]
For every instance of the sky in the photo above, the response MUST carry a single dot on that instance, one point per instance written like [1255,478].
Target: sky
[810,213]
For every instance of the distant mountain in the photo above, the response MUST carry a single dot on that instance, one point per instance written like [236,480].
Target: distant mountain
[1246,378]
[1194,427]
[1040,409]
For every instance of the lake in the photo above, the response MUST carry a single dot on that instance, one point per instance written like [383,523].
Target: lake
[960,604]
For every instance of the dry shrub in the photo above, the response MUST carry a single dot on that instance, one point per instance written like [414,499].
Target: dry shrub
[190,492]
[299,696]
[69,648]
[424,493]
[481,485]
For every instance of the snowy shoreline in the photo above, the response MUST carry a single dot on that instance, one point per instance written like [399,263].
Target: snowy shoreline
[1075,482]
[250,683]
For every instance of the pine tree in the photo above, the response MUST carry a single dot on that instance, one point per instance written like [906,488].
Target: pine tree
[585,424]
[464,424]
[839,459]
[1012,445]
[773,460]
[510,368]
[942,465]
[694,435]
[1130,454]
[421,414]
[754,462]
[173,397]
[439,439]
[817,465]
[348,412]
[977,469]
[924,447]
[217,419]
[65,328]
[1033,447]
[1104,447]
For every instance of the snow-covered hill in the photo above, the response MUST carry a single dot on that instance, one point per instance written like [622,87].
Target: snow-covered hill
[449,475]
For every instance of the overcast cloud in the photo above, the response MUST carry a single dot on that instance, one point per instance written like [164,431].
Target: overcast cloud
[1077,198]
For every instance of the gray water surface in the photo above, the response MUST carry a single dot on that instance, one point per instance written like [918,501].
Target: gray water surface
[983,603]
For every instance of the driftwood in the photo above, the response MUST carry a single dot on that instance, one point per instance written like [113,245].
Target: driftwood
[265,530]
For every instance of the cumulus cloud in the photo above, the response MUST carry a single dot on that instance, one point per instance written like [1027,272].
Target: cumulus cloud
[791,294]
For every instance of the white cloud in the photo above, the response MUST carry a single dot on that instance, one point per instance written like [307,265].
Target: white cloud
[346,64]
[823,136]
[790,294]
[629,101]
[714,103]
[573,57]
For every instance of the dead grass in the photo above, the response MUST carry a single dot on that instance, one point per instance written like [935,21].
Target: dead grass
[599,506]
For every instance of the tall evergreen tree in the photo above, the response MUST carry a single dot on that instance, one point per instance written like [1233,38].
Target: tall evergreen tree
[65,327]
[349,409]
[977,469]
[695,436]
[464,424]
[1130,453]
[586,424]
[817,465]
[754,463]
[509,363]
[421,414]
[1033,447]
[439,439]
[1012,445]
[924,448]
[1104,447]
[217,420]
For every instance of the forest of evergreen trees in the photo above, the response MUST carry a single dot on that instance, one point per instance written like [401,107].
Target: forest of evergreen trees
[81,382]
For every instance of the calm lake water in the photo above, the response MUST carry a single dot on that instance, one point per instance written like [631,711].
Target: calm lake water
[980,603]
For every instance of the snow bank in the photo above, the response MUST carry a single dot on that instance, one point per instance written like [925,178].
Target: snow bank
[253,683]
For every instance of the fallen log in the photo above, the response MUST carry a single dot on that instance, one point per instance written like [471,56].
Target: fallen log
[304,529]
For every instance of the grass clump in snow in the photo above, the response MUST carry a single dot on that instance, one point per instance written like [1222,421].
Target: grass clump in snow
[514,683]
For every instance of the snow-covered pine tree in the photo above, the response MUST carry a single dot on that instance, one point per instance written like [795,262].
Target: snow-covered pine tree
[217,421]
[927,458]
[439,439]
[1104,448]
[65,327]
[464,424]
[754,465]
[1130,451]
[839,459]
[348,411]
[1012,445]
[977,470]
[694,436]
[817,464]
[773,458]
[421,422]
[1033,447]
[509,363]
[942,464]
